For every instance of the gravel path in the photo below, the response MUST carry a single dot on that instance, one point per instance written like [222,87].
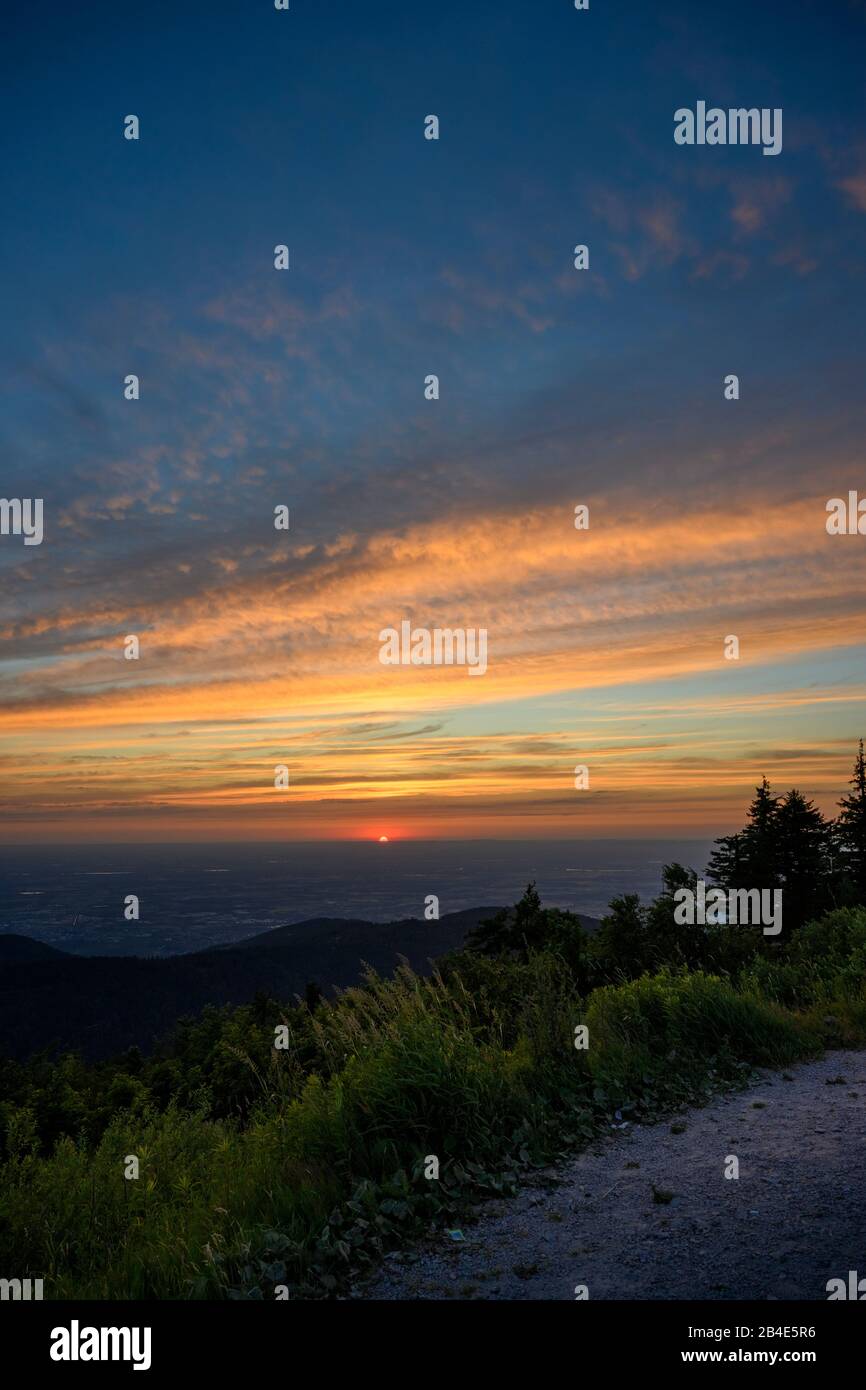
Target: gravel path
[794,1218]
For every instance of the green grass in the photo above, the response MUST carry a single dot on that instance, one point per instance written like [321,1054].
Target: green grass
[322,1167]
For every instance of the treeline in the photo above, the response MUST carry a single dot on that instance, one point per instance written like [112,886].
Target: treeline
[787,843]
[262,1166]
[215,1062]
[263,1169]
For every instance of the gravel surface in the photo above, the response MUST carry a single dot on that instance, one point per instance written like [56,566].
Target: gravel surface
[649,1214]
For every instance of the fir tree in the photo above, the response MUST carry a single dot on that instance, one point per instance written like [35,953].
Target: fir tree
[803,859]
[750,859]
[851,828]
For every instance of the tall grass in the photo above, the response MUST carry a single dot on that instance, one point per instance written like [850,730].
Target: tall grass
[478,1069]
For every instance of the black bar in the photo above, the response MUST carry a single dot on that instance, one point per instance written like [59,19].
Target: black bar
[245,1337]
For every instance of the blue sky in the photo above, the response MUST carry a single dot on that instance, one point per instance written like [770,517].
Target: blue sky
[306,387]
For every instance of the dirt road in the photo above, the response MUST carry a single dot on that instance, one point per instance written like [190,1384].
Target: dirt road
[649,1213]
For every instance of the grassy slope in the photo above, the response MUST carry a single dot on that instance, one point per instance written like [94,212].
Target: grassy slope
[327,1169]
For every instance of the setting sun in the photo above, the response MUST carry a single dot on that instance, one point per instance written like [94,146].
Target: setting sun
[383,839]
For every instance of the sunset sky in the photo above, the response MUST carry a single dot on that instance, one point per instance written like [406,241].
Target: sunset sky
[306,388]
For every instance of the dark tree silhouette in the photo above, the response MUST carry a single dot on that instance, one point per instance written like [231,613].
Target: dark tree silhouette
[513,931]
[313,995]
[851,828]
[750,859]
[786,843]
[804,859]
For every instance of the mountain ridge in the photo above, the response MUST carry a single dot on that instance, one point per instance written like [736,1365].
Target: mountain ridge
[101,1005]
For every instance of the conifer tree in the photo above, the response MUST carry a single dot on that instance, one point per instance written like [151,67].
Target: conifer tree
[750,858]
[851,828]
[514,930]
[803,858]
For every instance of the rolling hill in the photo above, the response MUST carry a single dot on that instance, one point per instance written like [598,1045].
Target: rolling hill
[99,1005]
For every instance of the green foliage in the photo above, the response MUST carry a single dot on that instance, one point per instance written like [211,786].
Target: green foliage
[262,1166]
[822,963]
[636,937]
[516,933]
[674,1028]
[404,1068]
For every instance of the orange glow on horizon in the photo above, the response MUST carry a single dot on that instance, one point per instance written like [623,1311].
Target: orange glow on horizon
[604,648]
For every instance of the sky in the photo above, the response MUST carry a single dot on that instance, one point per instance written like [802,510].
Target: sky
[305,388]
